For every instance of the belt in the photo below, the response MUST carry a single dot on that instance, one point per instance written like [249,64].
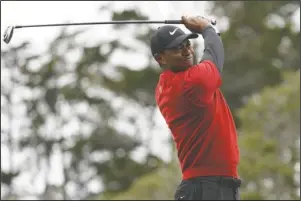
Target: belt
[230,182]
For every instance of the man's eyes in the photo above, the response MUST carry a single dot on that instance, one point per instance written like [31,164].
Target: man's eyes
[184,45]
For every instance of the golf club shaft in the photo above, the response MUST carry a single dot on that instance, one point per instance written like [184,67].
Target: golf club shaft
[8,34]
[109,22]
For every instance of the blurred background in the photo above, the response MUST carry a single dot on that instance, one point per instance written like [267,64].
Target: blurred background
[78,115]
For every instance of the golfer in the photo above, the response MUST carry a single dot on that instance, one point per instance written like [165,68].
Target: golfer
[195,110]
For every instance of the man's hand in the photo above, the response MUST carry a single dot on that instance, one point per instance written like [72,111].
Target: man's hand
[195,24]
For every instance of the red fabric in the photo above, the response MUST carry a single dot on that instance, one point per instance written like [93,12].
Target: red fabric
[200,121]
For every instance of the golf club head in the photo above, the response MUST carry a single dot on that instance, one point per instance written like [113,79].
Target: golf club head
[8,34]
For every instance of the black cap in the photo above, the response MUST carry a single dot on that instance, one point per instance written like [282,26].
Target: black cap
[168,37]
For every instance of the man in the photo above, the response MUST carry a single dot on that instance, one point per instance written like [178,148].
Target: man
[196,112]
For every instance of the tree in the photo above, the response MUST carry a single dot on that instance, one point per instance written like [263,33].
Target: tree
[257,57]
[269,152]
[73,118]
[258,47]
[84,101]
[269,139]
[9,82]
[157,185]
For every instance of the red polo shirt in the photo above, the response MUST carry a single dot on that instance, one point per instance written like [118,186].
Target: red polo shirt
[200,121]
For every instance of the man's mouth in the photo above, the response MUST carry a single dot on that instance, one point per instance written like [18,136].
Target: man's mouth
[188,58]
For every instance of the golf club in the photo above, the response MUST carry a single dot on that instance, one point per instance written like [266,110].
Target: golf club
[8,34]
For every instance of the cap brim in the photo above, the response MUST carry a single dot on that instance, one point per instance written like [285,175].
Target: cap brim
[179,40]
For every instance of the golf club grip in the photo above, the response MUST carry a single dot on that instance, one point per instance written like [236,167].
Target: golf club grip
[173,22]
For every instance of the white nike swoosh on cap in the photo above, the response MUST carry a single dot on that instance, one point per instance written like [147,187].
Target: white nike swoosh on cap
[173,32]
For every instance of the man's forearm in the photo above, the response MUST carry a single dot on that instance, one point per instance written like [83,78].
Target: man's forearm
[214,49]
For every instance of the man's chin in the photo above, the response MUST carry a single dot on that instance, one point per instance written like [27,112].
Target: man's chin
[181,68]
[188,63]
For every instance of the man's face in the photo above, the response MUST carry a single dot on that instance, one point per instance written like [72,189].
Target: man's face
[179,58]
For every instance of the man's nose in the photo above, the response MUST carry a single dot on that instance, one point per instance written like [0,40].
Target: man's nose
[187,51]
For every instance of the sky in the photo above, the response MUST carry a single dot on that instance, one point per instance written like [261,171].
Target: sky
[31,12]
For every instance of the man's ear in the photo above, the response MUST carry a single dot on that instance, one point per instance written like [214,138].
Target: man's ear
[160,59]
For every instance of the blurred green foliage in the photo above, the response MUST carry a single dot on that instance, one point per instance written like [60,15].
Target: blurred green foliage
[269,151]
[261,83]
[270,130]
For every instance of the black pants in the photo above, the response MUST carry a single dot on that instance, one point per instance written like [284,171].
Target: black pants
[209,188]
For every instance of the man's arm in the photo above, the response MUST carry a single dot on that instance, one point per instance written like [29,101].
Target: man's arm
[214,49]
[203,79]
